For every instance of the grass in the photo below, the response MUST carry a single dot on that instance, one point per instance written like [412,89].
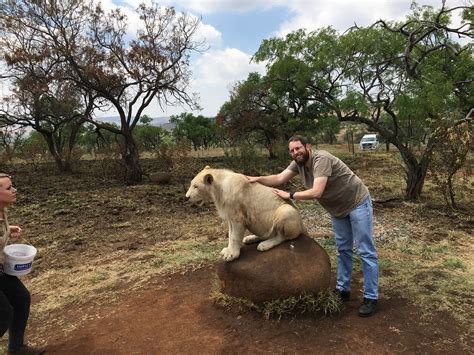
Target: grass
[433,277]
[453,263]
[326,302]
[101,278]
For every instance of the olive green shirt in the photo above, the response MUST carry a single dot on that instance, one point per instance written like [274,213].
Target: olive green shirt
[344,190]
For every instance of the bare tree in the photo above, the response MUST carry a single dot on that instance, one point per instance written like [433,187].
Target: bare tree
[96,54]
[57,111]
[41,97]
[10,140]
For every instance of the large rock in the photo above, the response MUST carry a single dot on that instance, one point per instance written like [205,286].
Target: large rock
[160,177]
[289,269]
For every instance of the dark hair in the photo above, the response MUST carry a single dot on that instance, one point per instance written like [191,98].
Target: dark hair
[297,138]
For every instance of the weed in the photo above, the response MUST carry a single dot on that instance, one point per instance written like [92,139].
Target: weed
[385,264]
[98,278]
[453,264]
[78,239]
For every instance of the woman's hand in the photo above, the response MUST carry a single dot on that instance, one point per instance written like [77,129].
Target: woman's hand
[15,233]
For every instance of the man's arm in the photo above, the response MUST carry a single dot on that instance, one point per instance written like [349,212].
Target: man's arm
[319,184]
[273,180]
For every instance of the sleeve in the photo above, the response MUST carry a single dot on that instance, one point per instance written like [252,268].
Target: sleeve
[322,167]
[293,166]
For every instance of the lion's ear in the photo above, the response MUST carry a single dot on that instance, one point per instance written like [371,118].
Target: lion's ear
[207,167]
[208,179]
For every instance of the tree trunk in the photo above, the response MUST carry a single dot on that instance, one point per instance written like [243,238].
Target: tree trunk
[415,179]
[71,144]
[54,151]
[271,152]
[415,173]
[131,159]
[350,141]
[451,191]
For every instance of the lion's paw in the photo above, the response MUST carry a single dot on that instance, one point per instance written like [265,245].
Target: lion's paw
[229,255]
[264,246]
[251,239]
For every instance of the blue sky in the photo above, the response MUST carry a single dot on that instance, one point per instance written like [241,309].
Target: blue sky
[246,30]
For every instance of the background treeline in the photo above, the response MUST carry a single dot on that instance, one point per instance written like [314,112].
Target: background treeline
[411,82]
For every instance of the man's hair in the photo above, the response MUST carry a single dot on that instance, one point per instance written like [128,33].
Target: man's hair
[297,138]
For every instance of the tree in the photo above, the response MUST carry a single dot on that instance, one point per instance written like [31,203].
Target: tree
[98,56]
[42,99]
[10,141]
[413,77]
[449,155]
[401,80]
[98,141]
[199,130]
[265,108]
[147,136]
[33,149]
[54,110]
[328,127]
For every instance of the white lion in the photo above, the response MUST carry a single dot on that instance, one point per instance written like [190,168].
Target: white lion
[245,205]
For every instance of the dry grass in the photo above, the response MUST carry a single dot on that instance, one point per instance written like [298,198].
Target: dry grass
[326,303]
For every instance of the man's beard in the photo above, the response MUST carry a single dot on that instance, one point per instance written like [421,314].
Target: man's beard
[301,160]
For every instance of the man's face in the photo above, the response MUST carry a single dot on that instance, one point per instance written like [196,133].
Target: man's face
[299,152]
[7,191]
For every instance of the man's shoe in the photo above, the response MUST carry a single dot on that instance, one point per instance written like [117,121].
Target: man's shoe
[343,295]
[27,350]
[368,307]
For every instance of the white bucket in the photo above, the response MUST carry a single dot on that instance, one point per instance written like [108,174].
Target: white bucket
[18,259]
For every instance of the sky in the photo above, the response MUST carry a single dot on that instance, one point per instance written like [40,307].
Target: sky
[234,29]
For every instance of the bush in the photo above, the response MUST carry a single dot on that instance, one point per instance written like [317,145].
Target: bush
[177,159]
[244,158]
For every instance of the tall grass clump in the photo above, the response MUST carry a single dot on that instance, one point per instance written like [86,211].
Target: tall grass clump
[326,302]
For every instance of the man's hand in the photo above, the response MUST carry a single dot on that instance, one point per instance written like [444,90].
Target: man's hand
[283,194]
[15,233]
[253,178]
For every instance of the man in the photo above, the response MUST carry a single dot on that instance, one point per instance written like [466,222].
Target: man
[347,199]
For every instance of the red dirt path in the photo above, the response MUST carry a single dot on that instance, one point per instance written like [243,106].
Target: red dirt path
[177,316]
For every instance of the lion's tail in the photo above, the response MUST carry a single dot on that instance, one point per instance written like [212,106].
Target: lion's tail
[318,235]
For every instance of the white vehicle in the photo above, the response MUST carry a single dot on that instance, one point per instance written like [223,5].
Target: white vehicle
[369,142]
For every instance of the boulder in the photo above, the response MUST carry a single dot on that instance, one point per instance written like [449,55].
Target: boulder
[289,269]
[160,177]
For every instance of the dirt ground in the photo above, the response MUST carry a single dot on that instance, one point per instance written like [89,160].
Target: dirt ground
[130,270]
[176,315]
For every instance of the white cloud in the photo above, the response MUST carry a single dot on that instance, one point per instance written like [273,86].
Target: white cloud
[223,66]
[214,74]
[211,6]
[209,35]
[342,14]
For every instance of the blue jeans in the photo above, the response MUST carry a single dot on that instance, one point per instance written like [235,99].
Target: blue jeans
[356,228]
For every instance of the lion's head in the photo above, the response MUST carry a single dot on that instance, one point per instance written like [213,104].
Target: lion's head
[199,190]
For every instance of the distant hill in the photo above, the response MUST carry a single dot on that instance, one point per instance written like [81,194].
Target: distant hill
[167,126]
[157,121]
